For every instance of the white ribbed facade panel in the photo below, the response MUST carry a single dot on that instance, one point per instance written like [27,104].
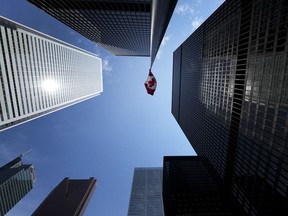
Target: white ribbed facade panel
[40,74]
[146,193]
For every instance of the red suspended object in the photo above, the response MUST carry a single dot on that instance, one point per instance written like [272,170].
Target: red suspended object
[150,83]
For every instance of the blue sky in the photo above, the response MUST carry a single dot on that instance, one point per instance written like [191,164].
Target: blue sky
[107,136]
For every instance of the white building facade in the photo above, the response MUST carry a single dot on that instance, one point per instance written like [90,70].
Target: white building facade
[40,74]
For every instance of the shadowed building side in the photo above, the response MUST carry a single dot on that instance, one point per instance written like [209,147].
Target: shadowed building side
[190,187]
[125,28]
[16,180]
[230,97]
[70,197]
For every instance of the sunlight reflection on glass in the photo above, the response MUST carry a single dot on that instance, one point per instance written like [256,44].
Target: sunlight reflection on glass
[49,85]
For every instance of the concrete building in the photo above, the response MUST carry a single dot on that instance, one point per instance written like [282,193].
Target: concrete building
[40,74]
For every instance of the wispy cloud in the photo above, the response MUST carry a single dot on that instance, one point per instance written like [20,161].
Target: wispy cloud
[106,64]
[159,54]
[109,76]
[196,22]
[71,31]
[163,43]
[184,9]
[165,40]
[131,65]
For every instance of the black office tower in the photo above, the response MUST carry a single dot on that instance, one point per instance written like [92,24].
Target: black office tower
[69,198]
[127,27]
[191,188]
[230,97]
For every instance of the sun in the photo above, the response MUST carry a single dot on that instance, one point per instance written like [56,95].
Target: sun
[50,85]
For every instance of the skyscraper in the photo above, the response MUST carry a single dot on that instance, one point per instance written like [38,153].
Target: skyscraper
[69,197]
[128,28]
[190,187]
[230,98]
[40,74]
[146,193]
[16,180]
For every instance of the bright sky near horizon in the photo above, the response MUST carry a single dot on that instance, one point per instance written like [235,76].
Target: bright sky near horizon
[107,136]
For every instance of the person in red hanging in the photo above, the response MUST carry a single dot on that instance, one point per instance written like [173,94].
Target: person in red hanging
[150,83]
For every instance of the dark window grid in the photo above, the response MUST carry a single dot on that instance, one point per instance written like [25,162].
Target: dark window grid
[48,72]
[36,59]
[39,71]
[17,74]
[134,31]
[279,129]
[52,71]
[13,72]
[77,26]
[281,44]
[57,72]
[1,81]
[43,69]
[9,74]
[21,75]
[24,72]
[282,188]
[279,141]
[7,197]
[74,94]
[28,71]
[64,72]
[284,170]
[30,46]
[4,84]
[68,77]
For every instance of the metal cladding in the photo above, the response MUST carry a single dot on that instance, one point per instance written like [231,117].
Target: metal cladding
[40,74]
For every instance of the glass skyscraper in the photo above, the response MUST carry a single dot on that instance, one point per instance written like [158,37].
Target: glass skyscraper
[230,88]
[16,180]
[126,28]
[40,74]
[146,193]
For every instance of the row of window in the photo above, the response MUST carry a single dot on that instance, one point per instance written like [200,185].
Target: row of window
[126,28]
[14,189]
[30,61]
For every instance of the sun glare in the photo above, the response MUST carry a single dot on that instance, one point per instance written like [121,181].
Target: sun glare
[49,85]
